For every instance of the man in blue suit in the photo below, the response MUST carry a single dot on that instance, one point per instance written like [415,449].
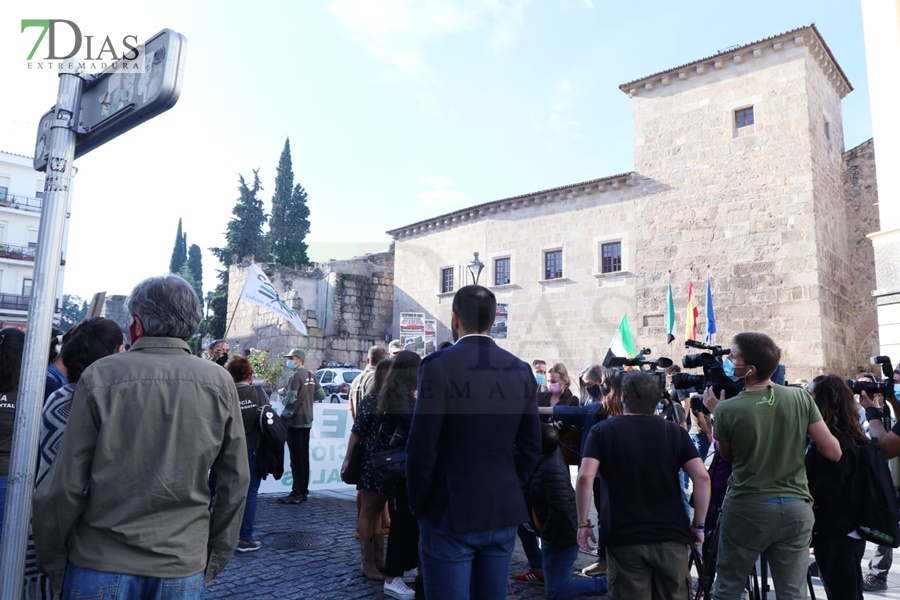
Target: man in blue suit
[474,440]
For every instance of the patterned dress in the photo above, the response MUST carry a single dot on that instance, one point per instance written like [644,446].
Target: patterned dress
[371,435]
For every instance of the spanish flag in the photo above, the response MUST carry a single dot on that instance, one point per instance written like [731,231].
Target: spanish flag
[690,327]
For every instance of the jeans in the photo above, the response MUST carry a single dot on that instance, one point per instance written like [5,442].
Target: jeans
[298,445]
[465,565]
[530,546]
[250,506]
[701,442]
[783,530]
[558,580]
[81,583]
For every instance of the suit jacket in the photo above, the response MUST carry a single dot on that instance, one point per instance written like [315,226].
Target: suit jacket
[475,437]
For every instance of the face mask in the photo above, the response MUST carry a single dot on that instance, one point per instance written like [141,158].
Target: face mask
[540,378]
[554,388]
[58,348]
[728,367]
[897,390]
[593,390]
[291,365]
[222,360]
[660,406]
[132,333]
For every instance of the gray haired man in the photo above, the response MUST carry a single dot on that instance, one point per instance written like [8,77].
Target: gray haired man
[125,506]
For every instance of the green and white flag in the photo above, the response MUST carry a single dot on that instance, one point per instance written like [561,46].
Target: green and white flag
[622,344]
[670,317]
[259,290]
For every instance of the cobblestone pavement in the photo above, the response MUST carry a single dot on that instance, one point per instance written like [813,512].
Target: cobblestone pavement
[321,559]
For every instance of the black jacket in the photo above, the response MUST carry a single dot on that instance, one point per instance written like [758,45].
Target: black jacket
[551,499]
[836,487]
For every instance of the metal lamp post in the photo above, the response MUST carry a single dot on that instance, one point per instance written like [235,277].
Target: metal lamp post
[475,267]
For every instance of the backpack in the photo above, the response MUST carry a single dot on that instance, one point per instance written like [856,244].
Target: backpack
[878,511]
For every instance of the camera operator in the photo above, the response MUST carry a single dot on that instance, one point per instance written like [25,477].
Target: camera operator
[888,441]
[768,508]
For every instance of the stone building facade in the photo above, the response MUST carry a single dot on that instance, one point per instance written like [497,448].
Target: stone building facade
[739,173]
[346,306]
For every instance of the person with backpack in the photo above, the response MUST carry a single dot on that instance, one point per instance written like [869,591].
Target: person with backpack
[837,492]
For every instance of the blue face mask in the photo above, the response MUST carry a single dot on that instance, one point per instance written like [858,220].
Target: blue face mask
[290,365]
[660,406]
[897,390]
[540,378]
[728,367]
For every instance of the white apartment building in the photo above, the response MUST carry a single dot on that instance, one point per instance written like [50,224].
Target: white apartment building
[21,201]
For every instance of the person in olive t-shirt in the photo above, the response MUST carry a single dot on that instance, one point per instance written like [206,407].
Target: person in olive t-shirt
[303,389]
[762,432]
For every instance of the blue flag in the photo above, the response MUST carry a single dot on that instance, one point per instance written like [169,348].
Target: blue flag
[710,315]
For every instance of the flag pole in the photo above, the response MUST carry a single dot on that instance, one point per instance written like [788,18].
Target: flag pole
[668,287]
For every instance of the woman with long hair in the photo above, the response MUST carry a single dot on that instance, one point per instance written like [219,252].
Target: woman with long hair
[396,402]
[836,492]
[371,494]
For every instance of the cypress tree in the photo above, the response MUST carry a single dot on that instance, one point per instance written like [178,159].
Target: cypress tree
[289,223]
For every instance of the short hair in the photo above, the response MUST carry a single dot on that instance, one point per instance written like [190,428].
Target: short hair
[549,439]
[376,355]
[91,340]
[560,369]
[673,369]
[12,344]
[240,368]
[476,307]
[640,392]
[538,361]
[167,306]
[760,351]
[445,344]
[867,374]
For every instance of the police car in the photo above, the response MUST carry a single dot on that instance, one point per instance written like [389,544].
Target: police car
[335,380]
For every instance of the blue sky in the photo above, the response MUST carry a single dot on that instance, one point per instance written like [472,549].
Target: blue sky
[397,110]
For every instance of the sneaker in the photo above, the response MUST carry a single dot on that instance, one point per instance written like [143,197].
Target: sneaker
[398,589]
[409,575]
[292,498]
[595,570]
[248,546]
[874,583]
[530,576]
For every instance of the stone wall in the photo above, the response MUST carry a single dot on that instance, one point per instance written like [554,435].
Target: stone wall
[345,305]
[861,191]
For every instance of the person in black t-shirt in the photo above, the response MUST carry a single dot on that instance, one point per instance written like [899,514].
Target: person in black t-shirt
[642,520]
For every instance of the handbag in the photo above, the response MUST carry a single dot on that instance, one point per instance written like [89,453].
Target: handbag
[390,465]
[353,472]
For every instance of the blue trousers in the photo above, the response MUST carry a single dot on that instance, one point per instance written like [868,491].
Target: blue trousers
[252,492]
[81,583]
[558,580]
[465,565]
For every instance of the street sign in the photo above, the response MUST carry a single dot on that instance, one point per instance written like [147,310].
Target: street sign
[123,96]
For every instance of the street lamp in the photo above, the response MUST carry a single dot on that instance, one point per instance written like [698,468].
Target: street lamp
[475,267]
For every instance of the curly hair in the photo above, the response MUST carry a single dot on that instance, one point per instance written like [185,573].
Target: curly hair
[240,368]
[90,341]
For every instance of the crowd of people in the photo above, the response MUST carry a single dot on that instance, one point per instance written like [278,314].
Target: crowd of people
[139,490]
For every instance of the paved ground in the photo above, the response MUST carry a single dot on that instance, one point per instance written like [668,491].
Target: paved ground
[321,560]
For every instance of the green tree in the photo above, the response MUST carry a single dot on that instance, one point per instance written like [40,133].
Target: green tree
[289,223]
[195,266]
[73,311]
[186,274]
[243,238]
[179,252]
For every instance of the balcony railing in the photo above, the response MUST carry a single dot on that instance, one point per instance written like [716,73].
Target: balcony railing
[19,302]
[17,252]
[26,203]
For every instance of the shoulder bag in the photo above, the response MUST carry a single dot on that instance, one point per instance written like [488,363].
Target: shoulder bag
[390,465]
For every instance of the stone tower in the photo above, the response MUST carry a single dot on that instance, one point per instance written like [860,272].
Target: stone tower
[739,169]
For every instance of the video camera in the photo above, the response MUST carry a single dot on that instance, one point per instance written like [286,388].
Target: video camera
[885,388]
[645,365]
[713,373]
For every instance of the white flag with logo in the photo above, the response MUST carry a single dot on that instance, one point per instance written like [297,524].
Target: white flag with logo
[260,291]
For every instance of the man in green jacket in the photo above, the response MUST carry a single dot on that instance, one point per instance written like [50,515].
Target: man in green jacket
[302,390]
[125,506]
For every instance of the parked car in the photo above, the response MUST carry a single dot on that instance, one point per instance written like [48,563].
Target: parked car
[336,382]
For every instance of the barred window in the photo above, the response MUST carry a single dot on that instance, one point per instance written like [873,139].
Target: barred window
[446,280]
[501,271]
[553,264]
[611,257]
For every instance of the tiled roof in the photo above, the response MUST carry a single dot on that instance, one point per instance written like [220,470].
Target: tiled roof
[625,87]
